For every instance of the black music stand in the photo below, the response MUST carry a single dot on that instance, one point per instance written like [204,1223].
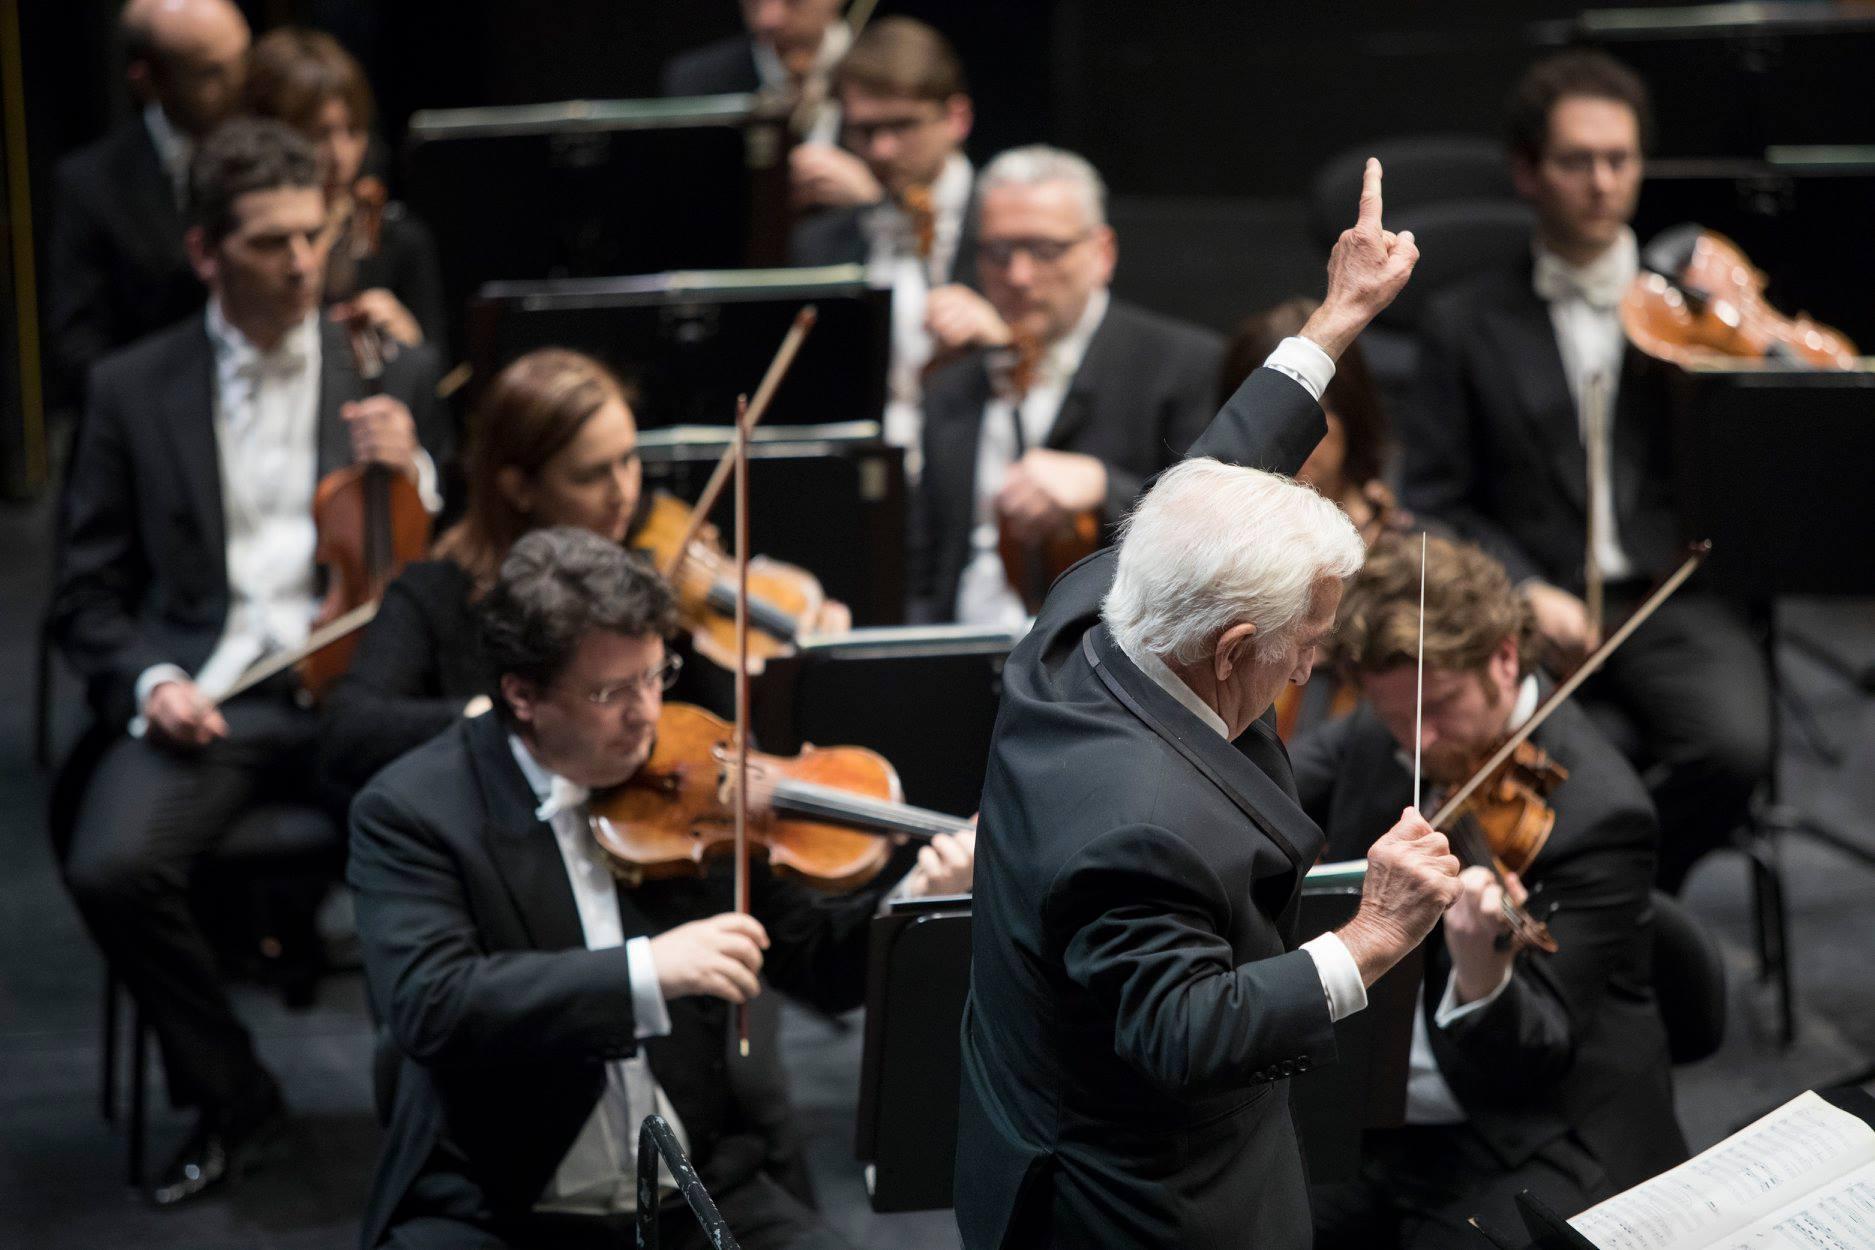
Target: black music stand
[687,343]
[591,187]
[910,1069]
[861,690]
[1742,440]
[1365,1087]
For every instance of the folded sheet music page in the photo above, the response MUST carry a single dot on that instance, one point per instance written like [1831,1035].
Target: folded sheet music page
[1803,1176]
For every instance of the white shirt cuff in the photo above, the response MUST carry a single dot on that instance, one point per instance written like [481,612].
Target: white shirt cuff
[1449,1010]
[426,482]
[650,1015]
[1341,976]
[1305,362]
[149,679]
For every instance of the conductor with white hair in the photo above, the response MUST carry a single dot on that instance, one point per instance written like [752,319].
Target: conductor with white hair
[1061,400]
[1136,1005]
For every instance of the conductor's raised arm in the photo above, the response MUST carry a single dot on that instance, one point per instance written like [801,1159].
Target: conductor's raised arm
[1273,421]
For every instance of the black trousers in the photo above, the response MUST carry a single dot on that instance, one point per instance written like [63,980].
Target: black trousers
[1420,1185]
[1691,696]
[761,1214]
[149,815]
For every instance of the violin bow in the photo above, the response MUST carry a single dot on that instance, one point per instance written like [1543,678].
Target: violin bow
[740,447]
[1569,686]
[1419,680]
[747,416]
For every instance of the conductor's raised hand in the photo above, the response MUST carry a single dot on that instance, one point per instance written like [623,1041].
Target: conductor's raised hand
[719,957]
[1412,877]
[1367,269]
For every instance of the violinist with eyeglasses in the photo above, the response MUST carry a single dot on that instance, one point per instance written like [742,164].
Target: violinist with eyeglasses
[539,1005]
[1530,1068]
[895,195]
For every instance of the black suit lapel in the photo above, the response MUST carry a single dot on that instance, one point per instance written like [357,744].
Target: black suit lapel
[964,259]
[185,412]
[339,384]
[1266,797]
[523,846]
[149,201]
[1640,405]
[1093,377]
[1526,340]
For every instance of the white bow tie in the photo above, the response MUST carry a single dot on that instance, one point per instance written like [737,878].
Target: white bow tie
[562,796]
[1600,286]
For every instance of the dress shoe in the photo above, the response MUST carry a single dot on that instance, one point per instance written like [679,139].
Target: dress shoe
[224,1145]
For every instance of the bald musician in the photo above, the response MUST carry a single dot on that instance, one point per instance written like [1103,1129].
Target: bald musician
[117,269]
[1135,1004]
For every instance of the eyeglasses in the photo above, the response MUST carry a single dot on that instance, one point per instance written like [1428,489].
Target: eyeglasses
[661,678]
[1000,252]
[1578,163]
[859,135]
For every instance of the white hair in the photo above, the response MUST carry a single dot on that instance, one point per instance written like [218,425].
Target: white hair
[1212,545]
[1037,164]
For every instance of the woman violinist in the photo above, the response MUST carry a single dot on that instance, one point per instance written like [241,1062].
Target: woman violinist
[383,269]
[554,443]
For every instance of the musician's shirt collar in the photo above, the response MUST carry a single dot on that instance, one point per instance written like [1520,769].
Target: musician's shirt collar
[1162,676]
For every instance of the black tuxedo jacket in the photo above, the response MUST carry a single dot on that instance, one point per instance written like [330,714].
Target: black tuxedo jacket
[837,236]
[116,265]
[1492,444]
[477,964]
[726,67]
[1575,1042]
[1144,391]
[1134,1006]
[143,575]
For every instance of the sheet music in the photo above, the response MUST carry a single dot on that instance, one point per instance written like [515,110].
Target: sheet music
[1839,1217]
[1776,1166]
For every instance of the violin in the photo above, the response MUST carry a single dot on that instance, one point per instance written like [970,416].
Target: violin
[1031,564]
[371,522]
[1699,301]
[358,231]
[822,815]
[783,599]
[1503,824]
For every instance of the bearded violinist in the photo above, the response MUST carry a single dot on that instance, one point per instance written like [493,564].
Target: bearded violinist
[1528,1070]
[186,553]
[539,1008]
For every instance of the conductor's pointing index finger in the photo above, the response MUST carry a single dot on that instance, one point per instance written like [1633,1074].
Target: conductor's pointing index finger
[1370,195]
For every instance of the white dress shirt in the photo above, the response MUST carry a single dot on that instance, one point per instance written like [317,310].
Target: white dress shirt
[984,596]
[1584,307]
[775,79]
[174,150]
[599,1172]
[1340,975]
[1429,1100]
[893,262]
[266,420]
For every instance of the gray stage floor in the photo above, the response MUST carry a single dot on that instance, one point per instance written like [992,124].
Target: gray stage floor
[61,1167]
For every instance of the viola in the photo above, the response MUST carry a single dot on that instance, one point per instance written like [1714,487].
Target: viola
[1503,824]
[1699,301]
[1032,563]
[822,815]
[371,522]
[783,599]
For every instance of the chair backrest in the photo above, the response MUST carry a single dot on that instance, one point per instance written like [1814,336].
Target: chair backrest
[1456,239]
[1420,170]
[1689,982]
